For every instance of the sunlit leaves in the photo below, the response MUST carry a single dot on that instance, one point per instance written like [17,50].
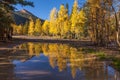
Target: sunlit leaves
[61,24]
[31,27]
[77,21]
[53,17]
[62,21]
[45,28]
[38,27]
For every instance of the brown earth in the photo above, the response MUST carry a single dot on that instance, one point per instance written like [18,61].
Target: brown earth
[17,40]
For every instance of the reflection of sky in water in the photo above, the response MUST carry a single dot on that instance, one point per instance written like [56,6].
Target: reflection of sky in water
[111,70]
[59,62]
[38,68]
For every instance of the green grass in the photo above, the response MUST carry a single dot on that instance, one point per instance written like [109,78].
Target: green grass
[89,50]
[116,63]
[101,55]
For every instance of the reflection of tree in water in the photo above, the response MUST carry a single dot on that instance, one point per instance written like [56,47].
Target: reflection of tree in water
[34,49]
[31,49]
[75,61]
[45,49]
[6,68]
[97,70]
[60,55]
[37,48]
[64,56]
[18,53]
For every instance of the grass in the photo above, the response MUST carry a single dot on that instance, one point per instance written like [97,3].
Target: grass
[116,63]
[89,50]
[93,51]
[101,55]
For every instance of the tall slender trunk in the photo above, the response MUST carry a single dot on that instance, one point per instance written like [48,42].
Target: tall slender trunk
[117,27]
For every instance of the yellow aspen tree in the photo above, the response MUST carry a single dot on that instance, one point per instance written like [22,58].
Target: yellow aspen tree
[62,18]
[99,16]
[19,29]
[45,27]
[25,28]
[31,28]
[38,27]
[80,24]
[14,26]
[73,19]
[53,19]
[66,29]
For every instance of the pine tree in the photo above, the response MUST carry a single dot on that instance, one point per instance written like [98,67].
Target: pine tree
[6,8]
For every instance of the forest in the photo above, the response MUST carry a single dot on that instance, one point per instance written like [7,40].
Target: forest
[97,20]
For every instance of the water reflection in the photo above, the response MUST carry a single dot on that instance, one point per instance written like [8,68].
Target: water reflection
[44,61]
[6,68]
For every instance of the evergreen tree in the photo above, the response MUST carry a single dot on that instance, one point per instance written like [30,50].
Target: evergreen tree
[6,8]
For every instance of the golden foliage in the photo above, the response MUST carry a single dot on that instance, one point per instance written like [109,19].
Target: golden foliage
[31,27]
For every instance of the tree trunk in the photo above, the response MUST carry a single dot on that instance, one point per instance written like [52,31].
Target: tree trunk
[117,27]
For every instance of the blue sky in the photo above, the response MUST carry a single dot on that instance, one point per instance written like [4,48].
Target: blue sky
[43,7]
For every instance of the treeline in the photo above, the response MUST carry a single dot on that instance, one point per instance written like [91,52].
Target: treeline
[60,24]
[97,20]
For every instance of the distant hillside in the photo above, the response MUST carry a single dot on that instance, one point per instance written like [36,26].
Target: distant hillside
[22,16]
